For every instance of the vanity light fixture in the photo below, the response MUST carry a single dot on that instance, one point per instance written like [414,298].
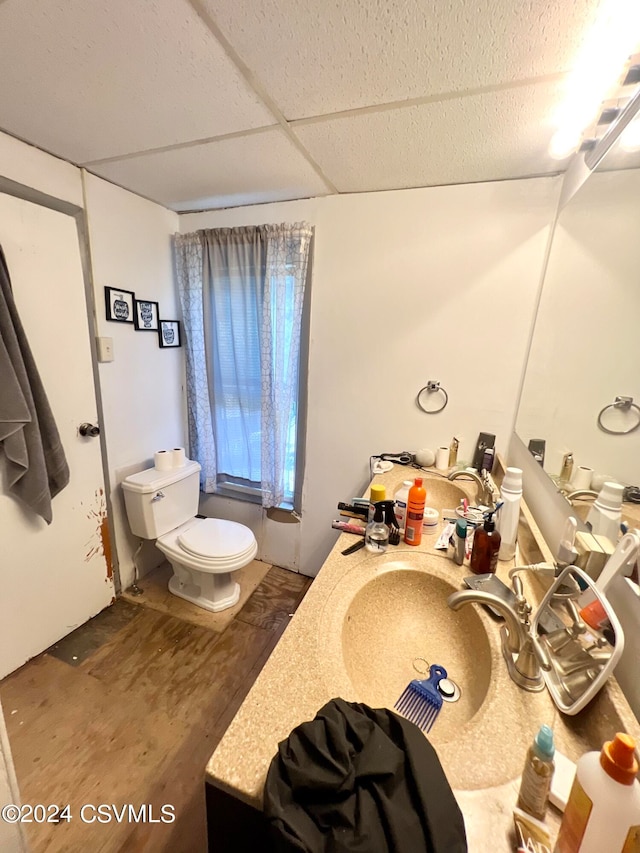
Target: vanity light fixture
[630,139]
[614,132]
[596,72]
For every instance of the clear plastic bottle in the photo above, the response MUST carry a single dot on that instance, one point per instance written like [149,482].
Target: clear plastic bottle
[377,493]
[537,775]
[415,513]
[401,497]
[509,515]
[376,535]
[603,811]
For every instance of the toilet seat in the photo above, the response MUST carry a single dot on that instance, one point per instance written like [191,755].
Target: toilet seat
[215,539]
[210,545]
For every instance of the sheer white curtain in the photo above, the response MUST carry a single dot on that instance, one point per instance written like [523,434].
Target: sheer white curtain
[242,293]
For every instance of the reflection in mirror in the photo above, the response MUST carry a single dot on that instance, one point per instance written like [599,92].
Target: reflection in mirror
[581,635]
[585,349]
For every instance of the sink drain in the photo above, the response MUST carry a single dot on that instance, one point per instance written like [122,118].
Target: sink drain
[447,688]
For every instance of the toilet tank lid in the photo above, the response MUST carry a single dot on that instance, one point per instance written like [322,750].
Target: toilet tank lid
[151,480]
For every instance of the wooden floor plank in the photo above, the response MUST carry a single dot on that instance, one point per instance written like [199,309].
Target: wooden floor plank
[136,718]
[156,595]
[278,596]
[84,743]
[175,666]
[79,644]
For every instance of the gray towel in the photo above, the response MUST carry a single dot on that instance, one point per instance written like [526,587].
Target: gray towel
[35,462]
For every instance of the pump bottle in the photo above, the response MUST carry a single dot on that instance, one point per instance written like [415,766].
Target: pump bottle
[486,544]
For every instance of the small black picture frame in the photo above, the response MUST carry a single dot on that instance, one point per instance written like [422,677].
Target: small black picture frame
[145,315]
[119,304]
[169,334]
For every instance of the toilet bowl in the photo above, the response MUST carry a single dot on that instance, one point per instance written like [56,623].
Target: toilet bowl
[203,552]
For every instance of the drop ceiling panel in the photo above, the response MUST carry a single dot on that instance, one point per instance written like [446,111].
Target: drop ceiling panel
[485,137]
[316,57]
[259,167]
[87,79]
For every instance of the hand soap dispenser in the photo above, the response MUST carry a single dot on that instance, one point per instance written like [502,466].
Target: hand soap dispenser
[486,544]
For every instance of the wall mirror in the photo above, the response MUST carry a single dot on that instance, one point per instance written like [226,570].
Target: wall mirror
[585,350]
[581,635]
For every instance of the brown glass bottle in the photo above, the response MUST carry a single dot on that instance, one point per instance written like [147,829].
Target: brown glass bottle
[486,544]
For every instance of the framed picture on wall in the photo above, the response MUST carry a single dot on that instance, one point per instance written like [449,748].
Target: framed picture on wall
[145,316]
[119,304]
[169,333]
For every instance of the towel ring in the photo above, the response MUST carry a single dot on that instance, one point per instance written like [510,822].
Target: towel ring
[625,404]
[432,387]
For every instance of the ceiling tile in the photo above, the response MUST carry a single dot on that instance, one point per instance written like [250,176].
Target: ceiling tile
[476,138]
[87,80]
[260,167]
[317,58]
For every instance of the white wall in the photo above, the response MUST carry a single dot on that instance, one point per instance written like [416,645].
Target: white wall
[408,286]
[142,389]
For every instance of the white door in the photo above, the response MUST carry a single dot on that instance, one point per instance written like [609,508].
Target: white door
[12,838]
[53,578]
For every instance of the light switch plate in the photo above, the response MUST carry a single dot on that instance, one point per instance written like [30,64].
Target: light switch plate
[105,349]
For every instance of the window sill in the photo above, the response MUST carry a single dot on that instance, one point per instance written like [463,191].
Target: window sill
[251,494]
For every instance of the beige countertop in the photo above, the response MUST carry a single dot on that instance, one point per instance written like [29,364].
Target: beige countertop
[481,741]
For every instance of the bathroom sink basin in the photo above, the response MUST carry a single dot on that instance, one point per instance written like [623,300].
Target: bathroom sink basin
[387,610]
[443,494]
[402,615]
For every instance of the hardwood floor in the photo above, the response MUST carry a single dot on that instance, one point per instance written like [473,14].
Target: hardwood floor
[129,708]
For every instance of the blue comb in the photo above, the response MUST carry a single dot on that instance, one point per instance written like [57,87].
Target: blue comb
[421,701]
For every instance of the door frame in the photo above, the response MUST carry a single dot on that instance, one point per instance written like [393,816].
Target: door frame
[79,214]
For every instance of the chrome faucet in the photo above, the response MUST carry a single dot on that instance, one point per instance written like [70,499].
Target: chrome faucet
[522,651]
[485,494]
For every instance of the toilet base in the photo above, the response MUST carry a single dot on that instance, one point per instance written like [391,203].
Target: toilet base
[217,592]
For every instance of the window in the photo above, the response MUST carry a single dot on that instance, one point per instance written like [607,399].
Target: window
[242,293]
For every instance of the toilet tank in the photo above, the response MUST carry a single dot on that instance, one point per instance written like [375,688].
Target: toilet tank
[158,501]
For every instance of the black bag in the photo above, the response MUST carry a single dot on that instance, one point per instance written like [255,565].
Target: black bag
[359,779]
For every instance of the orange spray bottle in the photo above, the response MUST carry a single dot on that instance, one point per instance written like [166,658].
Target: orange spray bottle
[415,512]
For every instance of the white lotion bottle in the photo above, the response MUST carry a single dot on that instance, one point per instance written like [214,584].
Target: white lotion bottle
[401,498]
[603,811]
[605,514]
[509,516]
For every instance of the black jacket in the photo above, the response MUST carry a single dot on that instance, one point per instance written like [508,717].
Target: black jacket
[359,779]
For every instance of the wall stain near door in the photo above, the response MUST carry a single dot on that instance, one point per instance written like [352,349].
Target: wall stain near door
[103,543]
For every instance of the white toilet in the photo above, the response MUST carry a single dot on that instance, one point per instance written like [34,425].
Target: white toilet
[203,552]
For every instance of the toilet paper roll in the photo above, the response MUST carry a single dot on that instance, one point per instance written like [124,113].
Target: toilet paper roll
[442,458]
[581,478]
[163,460]
[179,457]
